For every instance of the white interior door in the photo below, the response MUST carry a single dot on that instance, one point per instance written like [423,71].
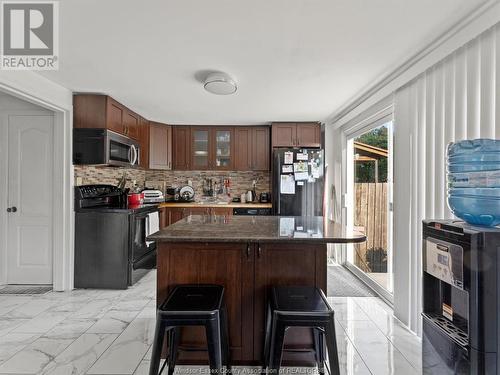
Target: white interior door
[30,179]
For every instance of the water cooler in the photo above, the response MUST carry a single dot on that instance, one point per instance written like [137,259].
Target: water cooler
[461,302]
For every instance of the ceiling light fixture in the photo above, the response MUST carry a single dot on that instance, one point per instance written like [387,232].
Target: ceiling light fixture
[220,84]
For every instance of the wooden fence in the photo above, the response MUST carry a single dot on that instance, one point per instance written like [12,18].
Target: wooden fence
[370,204]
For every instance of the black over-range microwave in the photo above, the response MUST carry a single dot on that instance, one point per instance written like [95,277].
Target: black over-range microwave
[104,147]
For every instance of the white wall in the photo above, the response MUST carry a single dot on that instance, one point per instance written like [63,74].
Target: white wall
[458,98]
[33,88]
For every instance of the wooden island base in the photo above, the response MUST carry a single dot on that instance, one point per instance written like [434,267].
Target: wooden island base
[246,270]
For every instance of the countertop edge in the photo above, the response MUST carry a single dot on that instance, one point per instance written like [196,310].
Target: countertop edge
[256,240]
[215,205]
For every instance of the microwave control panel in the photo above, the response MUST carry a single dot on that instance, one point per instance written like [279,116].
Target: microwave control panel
[444,261]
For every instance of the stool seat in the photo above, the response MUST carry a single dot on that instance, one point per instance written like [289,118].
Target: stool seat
[192,305]
[300,306]
[299,298]
[199,298]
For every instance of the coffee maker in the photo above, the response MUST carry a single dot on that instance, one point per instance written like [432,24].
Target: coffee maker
[461,302]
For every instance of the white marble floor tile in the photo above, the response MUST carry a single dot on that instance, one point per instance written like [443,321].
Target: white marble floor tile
[125,354]
[34,358]
[114,321]
[42,322]
[11,343]
[7,325]
[130,305]
[143,368]
[347,309]
[80,355]
[350,362]
[376,349]
[93,309]
[12,302]
[148,312]
[70,328]
[111,331]
[30,309]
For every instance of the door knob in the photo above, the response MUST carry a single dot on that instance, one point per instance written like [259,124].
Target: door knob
[9,209]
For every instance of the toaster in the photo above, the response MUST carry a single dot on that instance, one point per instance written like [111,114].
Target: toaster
[153,196]
[265,198]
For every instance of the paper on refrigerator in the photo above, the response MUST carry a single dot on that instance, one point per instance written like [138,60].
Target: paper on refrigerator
[287,185]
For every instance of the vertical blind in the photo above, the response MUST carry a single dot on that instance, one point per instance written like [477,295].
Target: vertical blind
[458,98]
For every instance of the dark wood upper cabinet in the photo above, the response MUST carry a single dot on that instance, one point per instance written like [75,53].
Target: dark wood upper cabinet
[308,134]
[212,148]
[160,146]
[181,147]
[251,148]
[144,140]
[283,134]
[201,148]
[243,148]
[260,149]
[296,134]
[114,116]
[103,112]
[131,124]
[223,150]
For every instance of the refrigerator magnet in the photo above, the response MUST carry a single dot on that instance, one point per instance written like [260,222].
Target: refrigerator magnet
[287,168]
[288,157]
[300,183]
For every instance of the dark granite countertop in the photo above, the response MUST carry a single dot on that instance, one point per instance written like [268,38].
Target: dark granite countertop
[205,228]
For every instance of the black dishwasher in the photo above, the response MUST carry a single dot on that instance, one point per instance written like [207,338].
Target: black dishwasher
[248,211]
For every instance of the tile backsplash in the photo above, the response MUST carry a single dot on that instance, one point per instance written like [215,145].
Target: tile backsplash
[108,175]
[240,181]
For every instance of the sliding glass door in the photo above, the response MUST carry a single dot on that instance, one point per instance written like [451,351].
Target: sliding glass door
[369,205]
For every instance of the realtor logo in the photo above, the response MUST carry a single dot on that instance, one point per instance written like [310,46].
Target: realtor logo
[30,35]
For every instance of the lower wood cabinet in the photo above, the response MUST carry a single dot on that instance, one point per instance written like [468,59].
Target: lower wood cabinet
[286,264]
[247,271]
[213,263]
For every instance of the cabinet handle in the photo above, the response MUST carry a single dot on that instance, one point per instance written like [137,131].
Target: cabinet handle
[248,250]
[259,252]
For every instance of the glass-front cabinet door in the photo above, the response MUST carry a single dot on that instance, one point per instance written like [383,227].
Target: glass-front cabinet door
[200,157]
[223,150]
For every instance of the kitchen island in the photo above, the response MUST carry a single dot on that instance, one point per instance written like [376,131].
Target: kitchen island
[246,254]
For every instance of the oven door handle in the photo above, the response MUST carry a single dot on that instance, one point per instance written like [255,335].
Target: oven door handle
[147,227]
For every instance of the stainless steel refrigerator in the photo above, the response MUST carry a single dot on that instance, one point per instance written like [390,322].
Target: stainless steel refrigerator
[298,182]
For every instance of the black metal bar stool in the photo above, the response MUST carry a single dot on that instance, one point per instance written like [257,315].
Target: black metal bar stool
[300,306]
[192,305]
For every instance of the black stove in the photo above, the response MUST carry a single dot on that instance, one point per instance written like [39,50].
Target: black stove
[111,250]
[106,198]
